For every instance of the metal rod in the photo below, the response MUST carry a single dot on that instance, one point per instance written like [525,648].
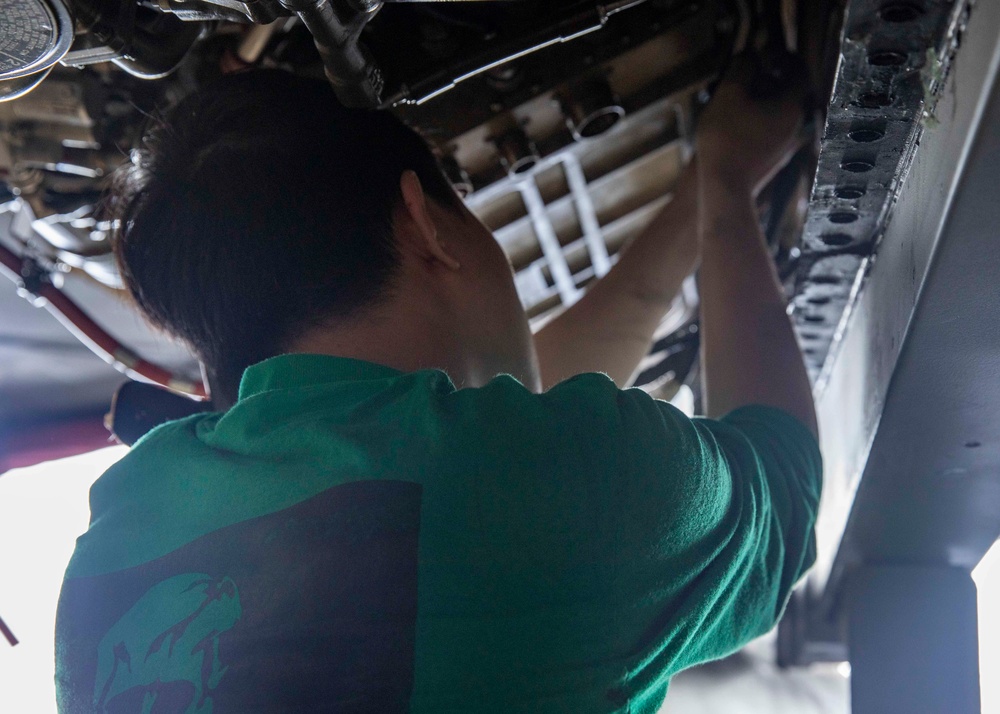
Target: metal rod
[592,233]
[352,71]
[255,40]
[548,241]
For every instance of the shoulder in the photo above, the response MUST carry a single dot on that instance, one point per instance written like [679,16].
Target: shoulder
[504,391]
[506,408]
[581,427]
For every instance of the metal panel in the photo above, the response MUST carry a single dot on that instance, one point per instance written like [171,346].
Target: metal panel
[913,641]
[912,398]
[931,489]
[894,57]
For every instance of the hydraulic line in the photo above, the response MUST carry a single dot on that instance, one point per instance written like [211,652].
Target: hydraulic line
[95,337]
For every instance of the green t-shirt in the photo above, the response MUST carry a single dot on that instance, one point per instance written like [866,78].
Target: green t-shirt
[352,538]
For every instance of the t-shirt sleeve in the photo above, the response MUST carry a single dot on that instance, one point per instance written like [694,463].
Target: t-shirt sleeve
[718,526]
[646,538]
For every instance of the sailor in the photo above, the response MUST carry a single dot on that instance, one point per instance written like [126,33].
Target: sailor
[410,503]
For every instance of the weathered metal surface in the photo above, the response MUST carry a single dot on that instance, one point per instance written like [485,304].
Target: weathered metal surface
[930,491]
[908,395]
[510,54]
[891,57]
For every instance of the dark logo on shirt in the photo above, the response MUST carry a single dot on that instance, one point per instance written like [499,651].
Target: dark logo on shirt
[309,609]
[165,649]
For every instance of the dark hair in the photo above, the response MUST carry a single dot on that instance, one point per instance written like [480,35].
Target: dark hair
[258,208]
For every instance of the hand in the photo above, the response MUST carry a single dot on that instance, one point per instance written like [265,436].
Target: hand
[746,138]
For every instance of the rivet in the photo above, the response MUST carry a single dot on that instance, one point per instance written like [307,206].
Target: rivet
[837,240]
[865,136]
[887,58]
[874,100]
[826,280]
[900,11]
[857,166]
[849,192]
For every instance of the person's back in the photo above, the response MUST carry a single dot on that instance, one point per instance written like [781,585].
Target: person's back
[351,536]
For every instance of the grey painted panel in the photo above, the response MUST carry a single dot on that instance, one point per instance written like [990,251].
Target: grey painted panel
[915,381]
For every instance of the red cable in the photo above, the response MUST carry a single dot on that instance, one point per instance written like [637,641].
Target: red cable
[96,338]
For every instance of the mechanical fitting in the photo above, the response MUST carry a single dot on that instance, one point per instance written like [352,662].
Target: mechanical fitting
[336,30]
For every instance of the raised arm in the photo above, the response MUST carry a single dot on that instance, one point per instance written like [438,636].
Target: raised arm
[749,351]
[611,328]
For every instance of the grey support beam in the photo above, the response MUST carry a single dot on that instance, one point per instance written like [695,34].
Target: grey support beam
[910,405]
[913,641]
[911,384]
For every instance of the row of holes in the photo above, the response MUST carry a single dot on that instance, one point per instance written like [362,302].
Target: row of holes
[896,11]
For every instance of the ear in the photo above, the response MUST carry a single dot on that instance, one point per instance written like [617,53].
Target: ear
[417,210]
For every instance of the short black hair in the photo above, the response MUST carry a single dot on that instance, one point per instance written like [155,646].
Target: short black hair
[258,207]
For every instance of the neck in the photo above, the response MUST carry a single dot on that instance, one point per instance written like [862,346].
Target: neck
[396,336]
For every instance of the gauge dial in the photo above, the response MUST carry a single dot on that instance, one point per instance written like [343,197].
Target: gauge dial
[34,35]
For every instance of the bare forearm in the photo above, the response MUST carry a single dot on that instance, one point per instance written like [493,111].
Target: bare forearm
[611,328]
[749,350]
